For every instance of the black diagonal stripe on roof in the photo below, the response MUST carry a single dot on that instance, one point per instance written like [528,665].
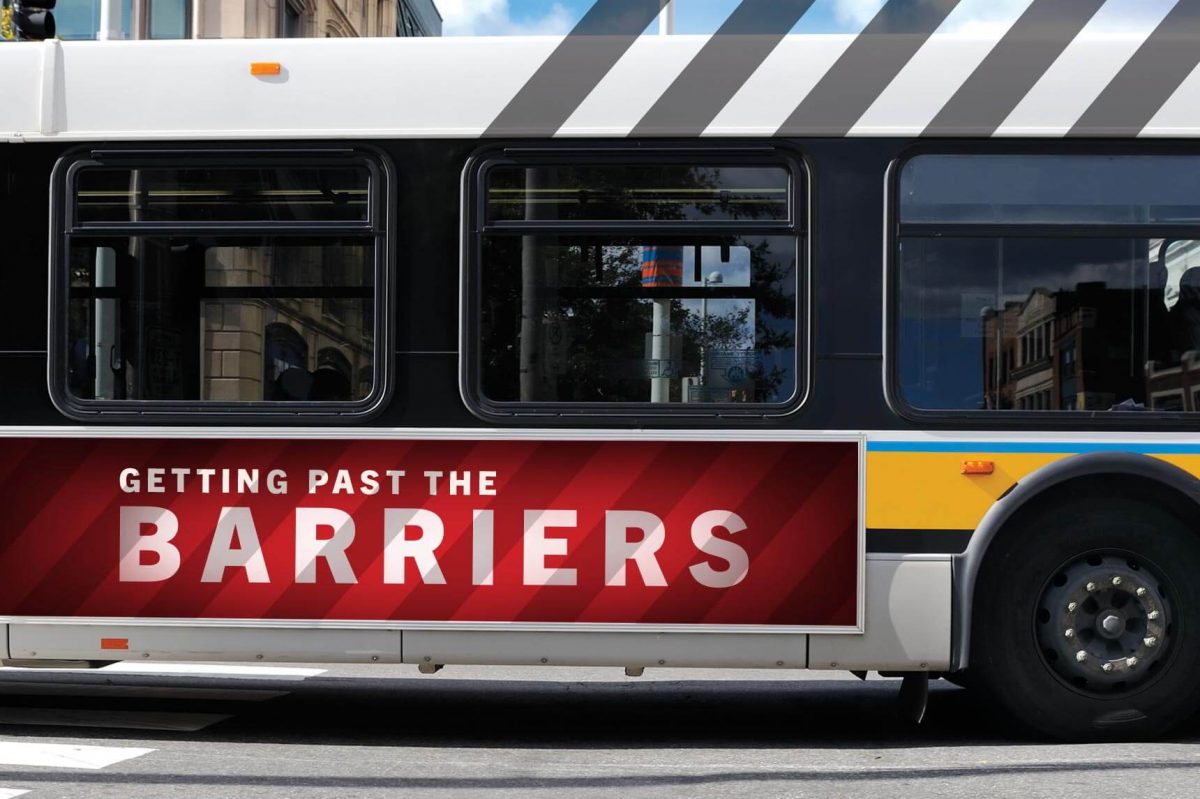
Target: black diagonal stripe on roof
[576,66]
[721,67]
[869,64]
[1010,70]
[1169,54]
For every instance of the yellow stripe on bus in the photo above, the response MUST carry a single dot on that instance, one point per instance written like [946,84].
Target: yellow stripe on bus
[928,491]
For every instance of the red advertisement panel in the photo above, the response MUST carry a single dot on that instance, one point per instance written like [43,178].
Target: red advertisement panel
[650,532]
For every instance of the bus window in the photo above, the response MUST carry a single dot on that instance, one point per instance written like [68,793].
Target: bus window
[645,192]
[1002,305]
[576,307]
[222,194]
[187,286]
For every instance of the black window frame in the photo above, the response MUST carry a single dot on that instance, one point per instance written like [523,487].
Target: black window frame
[798,226]
[895,230]
[378,227]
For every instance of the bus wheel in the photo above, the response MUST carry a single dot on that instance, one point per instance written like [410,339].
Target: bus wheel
[1086,621]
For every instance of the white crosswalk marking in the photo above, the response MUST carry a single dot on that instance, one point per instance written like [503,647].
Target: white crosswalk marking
[13,753]
[214,670]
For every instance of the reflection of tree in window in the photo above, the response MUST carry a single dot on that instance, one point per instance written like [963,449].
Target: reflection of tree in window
[568,317]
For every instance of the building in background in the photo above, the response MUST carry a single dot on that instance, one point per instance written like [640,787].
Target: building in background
[248,19]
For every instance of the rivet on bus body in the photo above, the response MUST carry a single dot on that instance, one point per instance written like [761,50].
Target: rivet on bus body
[1081,656]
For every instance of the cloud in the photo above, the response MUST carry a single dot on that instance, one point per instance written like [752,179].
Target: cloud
[855,13]
[495,18]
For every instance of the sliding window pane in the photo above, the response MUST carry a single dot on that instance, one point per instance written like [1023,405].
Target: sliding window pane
[577,319]
[249,194]
[662,193]
[1045,324]
[1052,189]
[221,319]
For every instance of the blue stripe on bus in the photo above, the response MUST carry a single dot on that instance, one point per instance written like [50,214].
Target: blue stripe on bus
[1045,448]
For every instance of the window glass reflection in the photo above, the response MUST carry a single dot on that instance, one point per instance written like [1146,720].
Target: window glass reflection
[1047,324]
[637,193]
[589,319]
[1032,189]
[222,319]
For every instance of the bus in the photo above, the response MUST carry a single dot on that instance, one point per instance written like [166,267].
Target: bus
[853,353]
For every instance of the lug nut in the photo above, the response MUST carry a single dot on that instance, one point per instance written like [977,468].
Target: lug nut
[1106,667]
[1150,640]
[1069,633]
[1116,581]
[1141,591]
[1071,606]
[1080,656]
[1152,615]
[1131,662]
[1091,586]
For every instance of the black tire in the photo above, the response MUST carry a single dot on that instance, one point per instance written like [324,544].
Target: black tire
[1013,659]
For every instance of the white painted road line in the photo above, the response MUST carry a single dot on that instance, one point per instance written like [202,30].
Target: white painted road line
[116,719]
[213,670]
[136,692]
[10,793]
[66,755]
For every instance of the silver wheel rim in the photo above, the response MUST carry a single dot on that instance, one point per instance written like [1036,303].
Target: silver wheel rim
[1104,623]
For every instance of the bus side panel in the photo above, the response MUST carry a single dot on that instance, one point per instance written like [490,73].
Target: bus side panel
[100,642]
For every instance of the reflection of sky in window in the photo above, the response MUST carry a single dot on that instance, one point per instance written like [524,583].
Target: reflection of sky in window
[733,272]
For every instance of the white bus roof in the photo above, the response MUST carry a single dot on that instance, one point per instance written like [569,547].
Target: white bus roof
[459,87]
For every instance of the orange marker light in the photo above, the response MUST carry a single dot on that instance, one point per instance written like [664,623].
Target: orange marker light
[265,68]
[978,467]
[114,643]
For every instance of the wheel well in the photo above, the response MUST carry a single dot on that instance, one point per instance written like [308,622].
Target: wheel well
[1085,488]
[1080,479]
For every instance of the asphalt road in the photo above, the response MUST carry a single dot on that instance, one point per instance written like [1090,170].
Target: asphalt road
[258,731]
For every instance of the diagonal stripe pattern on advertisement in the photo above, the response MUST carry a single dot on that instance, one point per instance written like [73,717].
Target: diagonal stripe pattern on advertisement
[575,67]
[1015,64]
[869,64]
[1164,61]
[721,68]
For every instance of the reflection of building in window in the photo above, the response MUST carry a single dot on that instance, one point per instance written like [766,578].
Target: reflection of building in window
[1066,350]
[1174,387]
[274,349]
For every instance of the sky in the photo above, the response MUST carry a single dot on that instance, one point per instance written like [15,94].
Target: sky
[515,17]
